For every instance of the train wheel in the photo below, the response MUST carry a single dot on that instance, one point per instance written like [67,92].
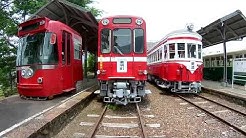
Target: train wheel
[149,78]
[50,97]
[168,91]
[22,97]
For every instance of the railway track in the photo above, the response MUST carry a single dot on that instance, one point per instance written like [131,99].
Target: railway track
[231,117]
[99,122]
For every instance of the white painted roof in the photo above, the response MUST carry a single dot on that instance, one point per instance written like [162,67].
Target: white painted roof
[231,47]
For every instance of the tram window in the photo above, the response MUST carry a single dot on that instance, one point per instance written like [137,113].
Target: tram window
[68,48]
[122,41]
[155,56]
[63,48]
[160,54]
[165,51]
[105,41]
[172,50]
[37,49]
[199,51]
[191,50]
[77,48]
[50,50]
[139,41]
[181,50]
[19,51]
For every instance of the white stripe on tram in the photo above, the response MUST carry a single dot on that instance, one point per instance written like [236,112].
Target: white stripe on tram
[115,59]
[141,59]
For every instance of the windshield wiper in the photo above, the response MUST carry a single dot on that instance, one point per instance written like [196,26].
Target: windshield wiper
[118,50]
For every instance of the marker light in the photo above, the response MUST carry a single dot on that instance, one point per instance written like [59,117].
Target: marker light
[20,28]
[53,38]
[105,21]
[42,22]
[98,72]
[40,80]
[139,21]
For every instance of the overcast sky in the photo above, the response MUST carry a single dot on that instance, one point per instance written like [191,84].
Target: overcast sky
[164,16]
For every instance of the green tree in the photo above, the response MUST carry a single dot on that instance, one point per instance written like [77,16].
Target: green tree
[91,62]
[7,47]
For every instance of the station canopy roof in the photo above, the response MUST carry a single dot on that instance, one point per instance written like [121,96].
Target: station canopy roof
[74,16]
[235,29]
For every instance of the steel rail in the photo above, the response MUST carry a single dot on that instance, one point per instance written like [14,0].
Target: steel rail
[215,116]
[144,135]
[92,134]
[239,112]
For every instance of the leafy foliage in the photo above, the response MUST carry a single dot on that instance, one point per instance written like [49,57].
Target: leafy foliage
[12,13]
[91,62]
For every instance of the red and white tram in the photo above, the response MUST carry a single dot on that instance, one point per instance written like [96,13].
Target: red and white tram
[176,62]
[122,59]
[48,58]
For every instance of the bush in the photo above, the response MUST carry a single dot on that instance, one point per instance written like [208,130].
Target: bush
[1,93]
[91,63]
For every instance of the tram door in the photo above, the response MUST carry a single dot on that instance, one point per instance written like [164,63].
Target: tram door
[66,61]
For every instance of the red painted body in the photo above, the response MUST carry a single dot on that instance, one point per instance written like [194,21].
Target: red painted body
[176,62]
[122,59]
[59,70]
[134,66]
[173,71]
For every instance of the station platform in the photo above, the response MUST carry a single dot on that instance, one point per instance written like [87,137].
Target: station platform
[238,92]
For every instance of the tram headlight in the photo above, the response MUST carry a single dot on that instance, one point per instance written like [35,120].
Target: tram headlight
[145,72]
[105,22]
[29,72]
[98,72]
[139,21]
[23,72]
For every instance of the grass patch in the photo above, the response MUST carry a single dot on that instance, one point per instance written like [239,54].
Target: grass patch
[113,106]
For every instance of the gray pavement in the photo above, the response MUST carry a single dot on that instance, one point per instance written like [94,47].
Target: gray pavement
[237,90]
[14,109]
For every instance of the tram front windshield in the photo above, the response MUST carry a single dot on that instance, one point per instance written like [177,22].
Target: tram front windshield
[122,41]
[36,49]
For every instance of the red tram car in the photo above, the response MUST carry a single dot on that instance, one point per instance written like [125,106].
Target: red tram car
[176,62]
[122,59]
[48,58]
